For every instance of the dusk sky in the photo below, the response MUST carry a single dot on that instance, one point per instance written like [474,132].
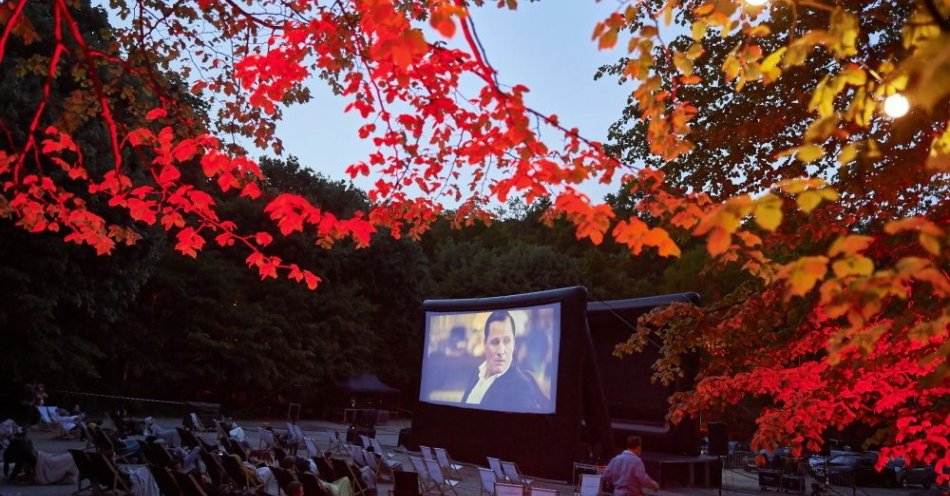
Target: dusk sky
[544,45]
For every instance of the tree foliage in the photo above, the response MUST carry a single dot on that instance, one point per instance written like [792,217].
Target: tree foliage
[836,213]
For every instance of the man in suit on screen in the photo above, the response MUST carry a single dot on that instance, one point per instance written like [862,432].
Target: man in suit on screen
[498,384]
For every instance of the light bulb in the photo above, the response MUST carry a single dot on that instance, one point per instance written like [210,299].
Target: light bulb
[756,3]
[896,105]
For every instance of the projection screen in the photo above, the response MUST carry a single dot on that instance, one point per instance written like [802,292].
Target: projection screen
[502,360]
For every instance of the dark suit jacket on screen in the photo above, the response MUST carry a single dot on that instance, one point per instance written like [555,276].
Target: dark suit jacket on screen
[516,390]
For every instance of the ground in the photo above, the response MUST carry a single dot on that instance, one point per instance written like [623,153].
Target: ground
[735,482]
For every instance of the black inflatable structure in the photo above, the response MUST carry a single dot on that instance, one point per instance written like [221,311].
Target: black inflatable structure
[542,444]
[636,405]
[599,400]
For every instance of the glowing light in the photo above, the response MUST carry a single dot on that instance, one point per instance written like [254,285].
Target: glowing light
[756,3]
[896,105]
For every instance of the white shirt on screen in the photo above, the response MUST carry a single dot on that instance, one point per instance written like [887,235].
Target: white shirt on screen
[475,397]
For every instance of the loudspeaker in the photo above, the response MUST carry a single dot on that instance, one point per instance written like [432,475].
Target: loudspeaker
[718,438]
[407,440]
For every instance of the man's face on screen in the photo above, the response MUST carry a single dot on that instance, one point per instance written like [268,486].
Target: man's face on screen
[499,346]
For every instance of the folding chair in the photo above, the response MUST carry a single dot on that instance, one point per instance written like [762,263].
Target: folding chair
[108,476]
[420,467]
[379,449]
[356,454]
[86,471]
[366,442]
[312,449]
[311,485]
[213,467]
[487,478]
[495,465]
[294,438]
[234,468]
[336,443]
[189,485]
[590,484]
[167,485]
[542,491]
[373,464]
[325,468]
[508,489]
[426,453]
[344,468]
[439,481]
[283,477]
[445,462]
[513,474]
[266,438]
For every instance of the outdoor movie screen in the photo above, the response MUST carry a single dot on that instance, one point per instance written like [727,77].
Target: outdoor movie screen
[503,360]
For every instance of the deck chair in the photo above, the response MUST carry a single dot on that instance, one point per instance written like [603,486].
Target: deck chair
[405,483]
[344,468]
[495,465]
[311,445]
[325,468]
[426,453]
[155,454]
[487,478]
[590,484]
[108,476]
[167,485]
[311,485]
[123,453]
[439,481]
[194,423]
[61,425]
[366,442]
[374,465]
[337,443]
[283,477]
[508,489]
[234,467]
[266,438]
[188,484]
[542,491]
[379,449]
[356,454]
[294,438]
[452,469]
[86,471]
[419,465]
[213,467]
[513,474]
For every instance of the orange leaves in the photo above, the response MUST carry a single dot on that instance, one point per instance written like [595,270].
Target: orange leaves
[931,236]
[635,234]
[605,32]
[441,18]
[591,221]
[189,242]
[804,273]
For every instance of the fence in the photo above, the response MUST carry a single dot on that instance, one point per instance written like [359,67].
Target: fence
[745,471]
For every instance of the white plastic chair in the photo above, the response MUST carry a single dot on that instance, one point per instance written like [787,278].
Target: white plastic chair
[446,463]
[439,481]
[513,474]
[487,478]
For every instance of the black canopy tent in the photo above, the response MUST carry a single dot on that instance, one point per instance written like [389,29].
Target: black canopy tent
[367,400]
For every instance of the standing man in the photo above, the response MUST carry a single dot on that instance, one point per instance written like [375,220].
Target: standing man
[626,472]
[498,384]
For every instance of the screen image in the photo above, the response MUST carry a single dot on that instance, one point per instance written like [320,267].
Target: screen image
[503,360]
